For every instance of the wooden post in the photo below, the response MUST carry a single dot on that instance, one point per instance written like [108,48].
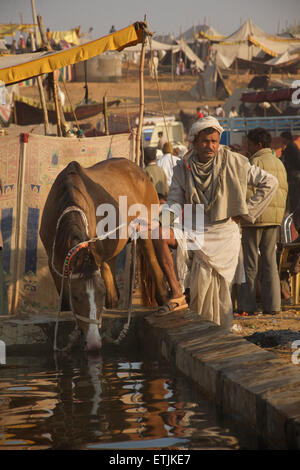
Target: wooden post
[34,43]
[172,65]
[55,96]
[142,103]
[58,106]
[105,115]
[17,273]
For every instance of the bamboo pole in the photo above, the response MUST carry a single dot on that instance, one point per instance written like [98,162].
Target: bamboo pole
[17,274]
[105,115]
[39,78]
[57,102]
[142,101]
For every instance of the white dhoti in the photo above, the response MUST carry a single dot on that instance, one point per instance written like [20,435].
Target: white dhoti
[207,268]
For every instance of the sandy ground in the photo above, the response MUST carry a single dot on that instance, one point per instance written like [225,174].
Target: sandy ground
[275,333]
[169,96]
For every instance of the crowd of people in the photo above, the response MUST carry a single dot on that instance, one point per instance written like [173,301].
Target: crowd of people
[217,112]
[244,198]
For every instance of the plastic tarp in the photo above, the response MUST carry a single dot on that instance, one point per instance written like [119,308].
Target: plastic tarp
[28,168]
[17,68]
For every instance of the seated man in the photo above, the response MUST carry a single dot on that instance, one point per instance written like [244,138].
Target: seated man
[215,179]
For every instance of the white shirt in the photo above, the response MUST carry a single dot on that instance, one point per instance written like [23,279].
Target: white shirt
[167,163]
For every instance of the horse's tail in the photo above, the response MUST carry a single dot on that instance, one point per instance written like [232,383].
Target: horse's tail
[148,290]
[153,284]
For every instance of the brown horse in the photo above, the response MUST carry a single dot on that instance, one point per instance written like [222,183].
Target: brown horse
[77,203]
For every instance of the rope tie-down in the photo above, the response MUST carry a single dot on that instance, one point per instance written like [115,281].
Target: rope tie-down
[67,274]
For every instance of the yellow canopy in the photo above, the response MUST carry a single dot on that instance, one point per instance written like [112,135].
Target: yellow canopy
[17,68]
[10,29]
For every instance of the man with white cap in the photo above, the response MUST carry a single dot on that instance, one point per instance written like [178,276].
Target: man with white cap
[207,198]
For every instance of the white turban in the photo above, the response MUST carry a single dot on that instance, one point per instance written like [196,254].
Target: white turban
[204,123]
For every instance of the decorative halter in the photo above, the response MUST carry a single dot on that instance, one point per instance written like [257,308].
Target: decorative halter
[70,255]
[75,249]
[67,273]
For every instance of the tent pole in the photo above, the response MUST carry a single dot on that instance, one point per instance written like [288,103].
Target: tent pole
[39,78]
[142,103]
[57,102]
[105,114]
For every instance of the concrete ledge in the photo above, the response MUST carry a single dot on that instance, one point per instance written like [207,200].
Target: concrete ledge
[38,330]
[240,377]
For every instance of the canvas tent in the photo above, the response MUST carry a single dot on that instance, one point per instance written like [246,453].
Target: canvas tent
[190,55]
[161,48]
[204,31]
[210,85]
[248,42]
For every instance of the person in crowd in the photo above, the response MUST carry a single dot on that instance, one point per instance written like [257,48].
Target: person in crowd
[153,65]
[156,174]
[28,44]
[233,112]
[21,44]
[291,160]
[210,180]
[219,111]
[205,110]
[168,161]
[259,239]
[13,47]
[161,140]
[180,67]
[199,113]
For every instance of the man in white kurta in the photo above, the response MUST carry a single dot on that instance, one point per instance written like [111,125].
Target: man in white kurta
[210,180]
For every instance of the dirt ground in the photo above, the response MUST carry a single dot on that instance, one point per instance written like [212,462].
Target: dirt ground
[169,96]
[276,333]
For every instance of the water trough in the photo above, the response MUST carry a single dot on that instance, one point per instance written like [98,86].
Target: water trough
[243,380]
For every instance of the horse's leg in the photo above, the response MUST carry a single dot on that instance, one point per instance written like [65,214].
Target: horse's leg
[157,275]
[112,298]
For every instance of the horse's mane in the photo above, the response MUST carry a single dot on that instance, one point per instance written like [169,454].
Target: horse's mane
[69,193]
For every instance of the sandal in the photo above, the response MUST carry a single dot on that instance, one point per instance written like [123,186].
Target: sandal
[172,306]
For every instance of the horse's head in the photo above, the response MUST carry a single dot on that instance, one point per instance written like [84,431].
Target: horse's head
[87,296]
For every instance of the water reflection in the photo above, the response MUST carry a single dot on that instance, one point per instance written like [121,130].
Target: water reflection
[103,402]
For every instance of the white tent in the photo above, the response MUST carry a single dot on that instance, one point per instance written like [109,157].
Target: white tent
[190,54]
[249,41]
[204,31]
[290,54]
[210,85]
